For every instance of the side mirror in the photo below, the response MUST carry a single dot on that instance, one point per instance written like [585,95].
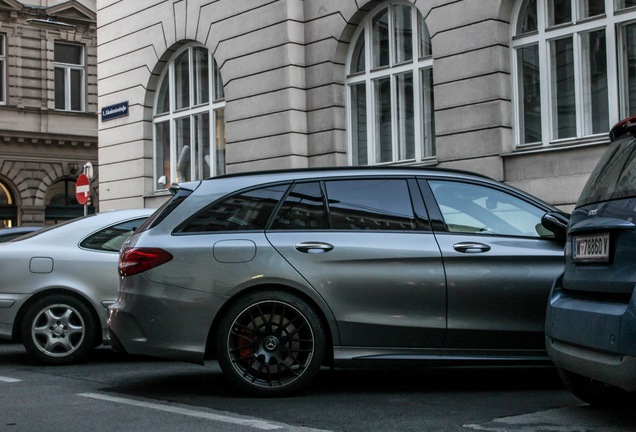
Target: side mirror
[556,223]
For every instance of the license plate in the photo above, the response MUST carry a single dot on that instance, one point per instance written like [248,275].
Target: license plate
[591,248]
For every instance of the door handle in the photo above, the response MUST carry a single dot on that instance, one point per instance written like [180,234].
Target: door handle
[470,247]
[313,247]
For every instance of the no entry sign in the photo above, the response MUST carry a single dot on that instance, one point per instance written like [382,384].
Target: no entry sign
[82,189]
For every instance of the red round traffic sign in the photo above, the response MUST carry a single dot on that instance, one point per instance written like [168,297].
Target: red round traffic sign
[82,189]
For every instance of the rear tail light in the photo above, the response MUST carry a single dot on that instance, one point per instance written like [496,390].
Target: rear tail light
[137,260]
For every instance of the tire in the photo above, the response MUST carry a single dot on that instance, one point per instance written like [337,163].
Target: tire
[597,393]
[270,343]
[58,330]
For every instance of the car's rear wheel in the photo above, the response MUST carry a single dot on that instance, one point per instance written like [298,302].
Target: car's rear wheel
[597,393]
[270,343]
[58,329]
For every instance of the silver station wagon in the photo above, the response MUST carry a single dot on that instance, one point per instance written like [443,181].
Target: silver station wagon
[277,274]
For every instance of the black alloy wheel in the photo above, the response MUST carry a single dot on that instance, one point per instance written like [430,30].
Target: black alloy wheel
[270,343]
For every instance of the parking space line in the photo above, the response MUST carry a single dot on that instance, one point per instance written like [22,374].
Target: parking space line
[257,424]
[9,380]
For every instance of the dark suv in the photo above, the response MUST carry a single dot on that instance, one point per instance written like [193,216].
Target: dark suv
[591,316]
[279,273]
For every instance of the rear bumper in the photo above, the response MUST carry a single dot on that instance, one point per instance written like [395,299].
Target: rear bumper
[162,321]
[596,339]
[613,369]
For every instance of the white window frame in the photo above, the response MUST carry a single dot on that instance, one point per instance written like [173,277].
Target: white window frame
[424,140]
[214,107]
[68,68]
[611,22]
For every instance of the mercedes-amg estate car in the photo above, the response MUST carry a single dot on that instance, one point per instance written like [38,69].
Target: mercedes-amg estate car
[591,317]
[278,273]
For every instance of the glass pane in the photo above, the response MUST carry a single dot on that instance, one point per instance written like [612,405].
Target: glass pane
[183,150]
[596,96]
[590,8]
[613,177]
[559,12]
[201,145]
[219,139]
[528,21]
[428,114]
[469,208]
[403,33]
[76,89]
[380,37]
[69,54]
[111,239]
[182,81]
[359,124]
[530,94]
[5,196]
[162,155]
[163,98]
[358,58]
[630,66]
[218,83]
[383,129]
[406,117]
[2,63]
[370,205]
[425,38]
[248,211]
[2,45]
[563,103]
[622,4]
[60,89]
[303,209]
[201,76]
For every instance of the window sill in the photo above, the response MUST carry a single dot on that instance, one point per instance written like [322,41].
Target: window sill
[559,146]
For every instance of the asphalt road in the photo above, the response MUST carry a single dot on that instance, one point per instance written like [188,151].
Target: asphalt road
[113,392]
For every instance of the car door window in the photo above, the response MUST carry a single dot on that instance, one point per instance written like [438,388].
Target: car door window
[370,204]
[245,211]
[471,208]
[303,209]
[112,238]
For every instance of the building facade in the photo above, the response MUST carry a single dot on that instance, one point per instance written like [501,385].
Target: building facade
[48,107]
[524,91]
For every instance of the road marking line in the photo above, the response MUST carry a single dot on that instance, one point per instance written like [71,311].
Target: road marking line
[9,380]
[258,424]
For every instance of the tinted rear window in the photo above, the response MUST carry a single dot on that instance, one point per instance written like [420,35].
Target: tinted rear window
[249,210]
[615,174]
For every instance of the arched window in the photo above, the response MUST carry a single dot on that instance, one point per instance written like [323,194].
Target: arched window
[189,119]
[390,88]
[61,203]
[8,210]
[574,69]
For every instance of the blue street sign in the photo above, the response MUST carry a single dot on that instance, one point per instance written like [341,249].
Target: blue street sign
[113,111]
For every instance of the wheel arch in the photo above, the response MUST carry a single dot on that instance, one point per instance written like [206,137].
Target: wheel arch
[331,332]
[17,323]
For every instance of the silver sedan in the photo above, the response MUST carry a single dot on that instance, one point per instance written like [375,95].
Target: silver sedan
[58,282]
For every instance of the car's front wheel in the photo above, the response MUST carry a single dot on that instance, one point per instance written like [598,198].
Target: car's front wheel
[270,343]
[597,393]
[58,329]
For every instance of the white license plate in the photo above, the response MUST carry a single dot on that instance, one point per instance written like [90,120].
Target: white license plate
[591,247]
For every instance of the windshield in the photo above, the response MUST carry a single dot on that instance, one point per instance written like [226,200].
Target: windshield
[614,176]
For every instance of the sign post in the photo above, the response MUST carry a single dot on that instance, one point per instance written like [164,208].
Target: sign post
[83,191]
